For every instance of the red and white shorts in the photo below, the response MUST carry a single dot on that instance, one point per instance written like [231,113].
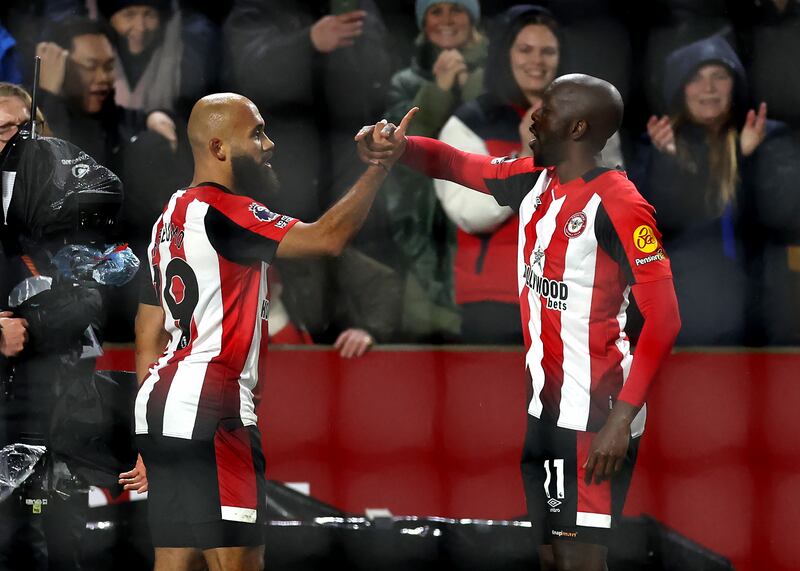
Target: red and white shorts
[561,505]
[206,493]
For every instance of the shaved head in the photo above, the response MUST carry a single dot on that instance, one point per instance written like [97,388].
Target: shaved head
[583,97]
[230,146]
[216,116]
[578,114]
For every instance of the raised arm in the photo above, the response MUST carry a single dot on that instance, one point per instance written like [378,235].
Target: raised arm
[437,159]
[335,228]
[431,157]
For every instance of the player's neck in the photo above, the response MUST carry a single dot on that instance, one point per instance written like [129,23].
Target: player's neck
[575,167]
[212,175]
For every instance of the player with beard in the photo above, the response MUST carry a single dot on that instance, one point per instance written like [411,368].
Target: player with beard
[586,239]
[201,335]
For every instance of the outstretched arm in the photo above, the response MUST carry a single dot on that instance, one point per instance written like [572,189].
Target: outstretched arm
[439,160]
[335,228]
[428,156]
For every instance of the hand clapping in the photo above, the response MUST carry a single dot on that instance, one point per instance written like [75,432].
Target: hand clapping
[661,134]
[754,130]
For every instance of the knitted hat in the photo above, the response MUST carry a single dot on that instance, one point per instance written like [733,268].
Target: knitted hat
[108,8]
[471,6]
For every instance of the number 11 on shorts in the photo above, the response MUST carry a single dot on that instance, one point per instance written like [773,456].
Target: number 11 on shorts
[558,465]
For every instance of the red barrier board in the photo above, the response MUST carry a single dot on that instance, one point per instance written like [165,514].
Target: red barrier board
[439,433]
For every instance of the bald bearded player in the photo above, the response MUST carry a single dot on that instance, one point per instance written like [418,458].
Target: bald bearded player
[201,335]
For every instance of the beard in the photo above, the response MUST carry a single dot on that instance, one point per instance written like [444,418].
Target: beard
[254,179]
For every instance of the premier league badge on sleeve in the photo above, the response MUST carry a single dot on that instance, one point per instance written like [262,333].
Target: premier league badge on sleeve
[262,213]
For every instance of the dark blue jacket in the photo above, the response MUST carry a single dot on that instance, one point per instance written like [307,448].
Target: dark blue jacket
[730,268]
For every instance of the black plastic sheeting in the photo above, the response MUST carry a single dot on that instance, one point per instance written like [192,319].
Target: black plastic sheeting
[307,535]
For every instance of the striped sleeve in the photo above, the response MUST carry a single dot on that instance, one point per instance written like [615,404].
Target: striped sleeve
[507,179]
[627,232]
[245,231]
[510,180]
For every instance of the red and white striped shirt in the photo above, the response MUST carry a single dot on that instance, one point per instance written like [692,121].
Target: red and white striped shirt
[581,246]
[209,255]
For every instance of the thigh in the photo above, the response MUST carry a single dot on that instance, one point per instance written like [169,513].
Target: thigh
[235,558]
[579,555]
[178,559]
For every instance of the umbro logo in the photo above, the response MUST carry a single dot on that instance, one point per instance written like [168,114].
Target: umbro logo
[553,503]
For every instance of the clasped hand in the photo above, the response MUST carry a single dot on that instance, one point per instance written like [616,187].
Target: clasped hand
[383,143]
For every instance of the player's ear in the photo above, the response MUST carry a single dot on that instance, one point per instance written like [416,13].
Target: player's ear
[579,129]
[217,148]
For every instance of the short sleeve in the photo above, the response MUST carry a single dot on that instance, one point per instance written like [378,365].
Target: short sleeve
[626,229]
[147,289]
[509,179]
[245,231]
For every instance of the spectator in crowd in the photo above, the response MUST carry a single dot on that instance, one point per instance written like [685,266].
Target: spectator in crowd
[15,105]
[77,81]
[166,60]
[523,60]
[446,72]
[316,77]
[676,23]
[722,180]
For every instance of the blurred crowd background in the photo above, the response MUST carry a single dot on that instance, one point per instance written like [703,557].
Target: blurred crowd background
[711,137]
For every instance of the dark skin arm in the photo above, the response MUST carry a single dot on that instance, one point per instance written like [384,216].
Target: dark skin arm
[659,308]
[335,228]
[151,339]
[609,446]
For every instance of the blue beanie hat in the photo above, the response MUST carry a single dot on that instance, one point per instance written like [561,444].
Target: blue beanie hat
[471,6]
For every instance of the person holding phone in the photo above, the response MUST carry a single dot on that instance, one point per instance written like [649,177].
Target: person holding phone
[320,71]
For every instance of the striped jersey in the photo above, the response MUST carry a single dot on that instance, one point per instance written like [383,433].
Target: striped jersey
[209,254]
[582,244]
